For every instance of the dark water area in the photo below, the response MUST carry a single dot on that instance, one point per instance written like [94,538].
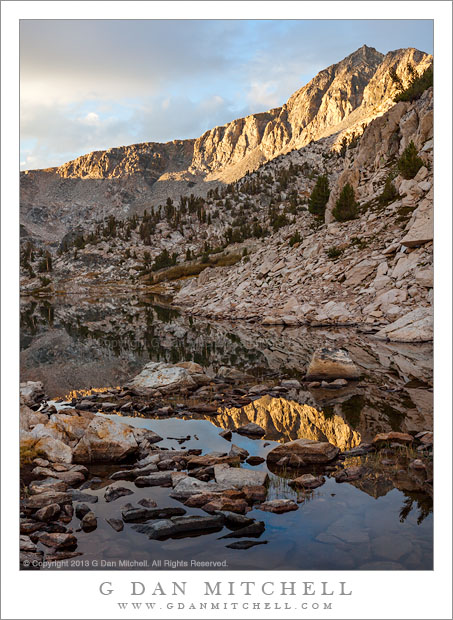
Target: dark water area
[383,521]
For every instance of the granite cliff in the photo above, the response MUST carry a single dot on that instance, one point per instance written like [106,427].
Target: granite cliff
[341,99]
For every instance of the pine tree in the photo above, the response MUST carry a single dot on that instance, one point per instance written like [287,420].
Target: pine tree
[346,205]
[319,196]
[409,163]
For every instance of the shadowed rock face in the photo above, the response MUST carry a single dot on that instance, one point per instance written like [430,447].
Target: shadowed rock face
[120,180]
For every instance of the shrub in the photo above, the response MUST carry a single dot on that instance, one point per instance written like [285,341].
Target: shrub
[389,193]
[417,87]
[296,238]
[409,163]
[346,206]
[333,253]
[319,196]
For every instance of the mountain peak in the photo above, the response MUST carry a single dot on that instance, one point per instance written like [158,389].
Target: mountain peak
[369,54]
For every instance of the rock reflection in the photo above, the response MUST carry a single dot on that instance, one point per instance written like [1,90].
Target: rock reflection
[286,420]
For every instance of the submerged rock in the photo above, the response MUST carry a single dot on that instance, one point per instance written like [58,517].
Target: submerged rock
[246,544]
[116,524]
[308,481]
[254,529]
[330,363]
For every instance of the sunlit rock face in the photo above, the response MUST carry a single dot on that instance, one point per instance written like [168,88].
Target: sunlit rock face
[286,420]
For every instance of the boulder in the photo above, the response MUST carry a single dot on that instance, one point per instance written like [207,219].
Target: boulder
[28,418]
[89,522]
[53,449]
[327,363]
[31,392]
[304,451]
[47,513]
[167,378]
[421,230]
[37,487]
[105,441]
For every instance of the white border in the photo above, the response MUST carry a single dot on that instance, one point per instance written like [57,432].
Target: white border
[375,595]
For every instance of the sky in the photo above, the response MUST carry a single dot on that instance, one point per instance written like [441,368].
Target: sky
[94,84]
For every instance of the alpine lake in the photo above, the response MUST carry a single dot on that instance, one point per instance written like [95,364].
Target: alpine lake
[81,346]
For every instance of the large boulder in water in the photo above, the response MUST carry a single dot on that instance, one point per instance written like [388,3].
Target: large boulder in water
[302,452]
[168,377]
[332,364]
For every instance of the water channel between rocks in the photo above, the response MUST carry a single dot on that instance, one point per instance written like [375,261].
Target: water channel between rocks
[382,521]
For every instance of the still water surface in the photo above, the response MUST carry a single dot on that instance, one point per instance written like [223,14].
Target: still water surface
[380,522]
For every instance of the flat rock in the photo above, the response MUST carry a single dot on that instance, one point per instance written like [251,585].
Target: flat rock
[254,529]
[45,499]
[58,540]
[78,496]
[394,437]
[137,515]
[113,493]
[36,487]
[238,477]
[156,479]
[278,506]
[304,451]
[187,486]
[251,429]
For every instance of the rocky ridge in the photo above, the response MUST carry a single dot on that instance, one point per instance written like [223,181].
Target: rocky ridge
[341,99]
[375,270]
